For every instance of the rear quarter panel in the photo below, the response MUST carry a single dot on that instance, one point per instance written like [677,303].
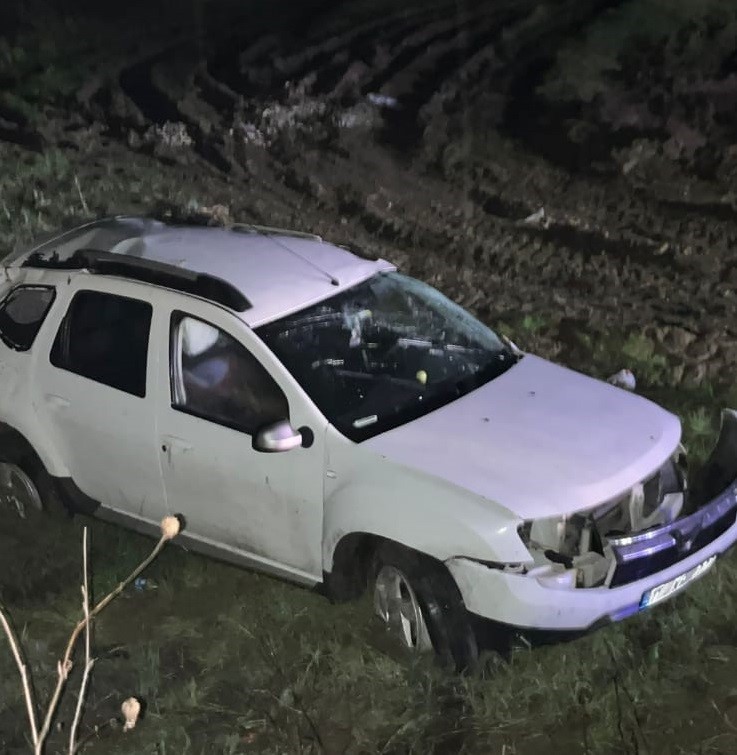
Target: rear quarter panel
[18,369]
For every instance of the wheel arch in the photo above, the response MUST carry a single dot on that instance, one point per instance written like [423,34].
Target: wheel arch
[52,489]
[451,632]
[426,516]
[11,434]
[352,560]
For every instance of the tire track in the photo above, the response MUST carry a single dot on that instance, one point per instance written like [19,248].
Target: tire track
[604,251]
[412,46]
[262,62]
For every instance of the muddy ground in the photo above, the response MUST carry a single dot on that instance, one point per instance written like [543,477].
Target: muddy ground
[564,170]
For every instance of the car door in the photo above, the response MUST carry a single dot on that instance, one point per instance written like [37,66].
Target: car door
[219,386]
[95,391]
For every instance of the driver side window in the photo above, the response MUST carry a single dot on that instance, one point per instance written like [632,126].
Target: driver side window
[215,377]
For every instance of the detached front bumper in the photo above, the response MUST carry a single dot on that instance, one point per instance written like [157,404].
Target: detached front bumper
[644,562]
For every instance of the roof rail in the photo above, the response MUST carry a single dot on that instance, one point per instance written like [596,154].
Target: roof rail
[267,230]
[149,271]
[351,247]
[172,214]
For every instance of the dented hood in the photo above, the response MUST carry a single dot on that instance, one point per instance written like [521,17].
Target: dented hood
[540,440]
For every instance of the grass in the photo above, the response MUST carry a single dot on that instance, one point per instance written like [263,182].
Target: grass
[42,713]
[39,71]
[233,662]
[641,353]
[272,668]
[532,324]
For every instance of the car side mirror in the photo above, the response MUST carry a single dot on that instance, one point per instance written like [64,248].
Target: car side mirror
[279,436]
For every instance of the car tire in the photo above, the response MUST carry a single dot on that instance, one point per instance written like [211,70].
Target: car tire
[26,486]
[418,581]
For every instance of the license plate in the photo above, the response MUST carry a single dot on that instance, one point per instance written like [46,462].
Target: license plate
[661,592]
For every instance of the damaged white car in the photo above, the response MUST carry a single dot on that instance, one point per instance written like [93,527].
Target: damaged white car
[317,415]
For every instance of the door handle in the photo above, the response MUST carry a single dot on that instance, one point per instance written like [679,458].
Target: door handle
[58,402]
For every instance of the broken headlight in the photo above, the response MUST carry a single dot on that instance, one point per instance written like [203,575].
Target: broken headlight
[567,551]
[574,548]
[561,538]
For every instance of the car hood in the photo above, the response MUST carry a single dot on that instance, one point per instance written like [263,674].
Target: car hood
[540,440]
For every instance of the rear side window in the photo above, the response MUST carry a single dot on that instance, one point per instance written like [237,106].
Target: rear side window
[104,337]
[22,314]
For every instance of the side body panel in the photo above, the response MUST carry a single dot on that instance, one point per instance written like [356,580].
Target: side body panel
[104,438]
[20,407]
[368,493]
[267,507]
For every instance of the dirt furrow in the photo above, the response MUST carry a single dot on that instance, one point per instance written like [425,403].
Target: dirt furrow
[413,45]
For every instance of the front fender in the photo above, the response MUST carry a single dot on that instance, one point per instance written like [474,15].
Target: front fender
[369,494]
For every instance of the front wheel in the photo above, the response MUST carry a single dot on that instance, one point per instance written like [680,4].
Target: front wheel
[421,605]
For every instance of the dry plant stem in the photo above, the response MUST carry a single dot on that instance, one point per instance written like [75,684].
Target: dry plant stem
[65,664]
[73,746]
[30,704]
[88,662]
[81,196]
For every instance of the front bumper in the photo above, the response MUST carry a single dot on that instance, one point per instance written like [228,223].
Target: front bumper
[647,562]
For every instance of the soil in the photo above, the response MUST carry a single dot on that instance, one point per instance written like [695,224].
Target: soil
[442,179]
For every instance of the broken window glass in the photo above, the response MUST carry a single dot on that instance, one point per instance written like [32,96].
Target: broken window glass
[22,314]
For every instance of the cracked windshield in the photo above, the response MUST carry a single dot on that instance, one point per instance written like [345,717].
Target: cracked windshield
[385,351]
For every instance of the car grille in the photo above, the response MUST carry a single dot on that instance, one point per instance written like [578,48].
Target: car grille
[638,556]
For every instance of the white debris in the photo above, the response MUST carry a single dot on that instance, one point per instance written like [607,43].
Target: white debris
[623,379]
[276,117]
[251,134]
[172,135]
[360,116]
[383,100]
[536,218]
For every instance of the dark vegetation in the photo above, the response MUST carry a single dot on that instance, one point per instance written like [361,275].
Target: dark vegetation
[563,169]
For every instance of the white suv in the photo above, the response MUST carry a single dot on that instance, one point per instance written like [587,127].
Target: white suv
[317,415]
